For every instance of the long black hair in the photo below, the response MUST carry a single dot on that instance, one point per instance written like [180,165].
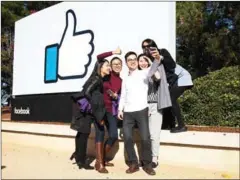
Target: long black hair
[150,42]
[95,72]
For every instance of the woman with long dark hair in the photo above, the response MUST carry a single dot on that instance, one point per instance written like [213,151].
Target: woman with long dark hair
[176,86]
[92,95]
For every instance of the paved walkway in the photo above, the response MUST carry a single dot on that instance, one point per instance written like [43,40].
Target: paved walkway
[23,161]
[215,139]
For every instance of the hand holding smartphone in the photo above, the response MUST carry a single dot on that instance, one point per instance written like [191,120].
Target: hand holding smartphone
[152,49]
[155,53]
[112,94]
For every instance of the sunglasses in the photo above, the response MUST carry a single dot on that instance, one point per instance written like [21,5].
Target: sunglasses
[147,46]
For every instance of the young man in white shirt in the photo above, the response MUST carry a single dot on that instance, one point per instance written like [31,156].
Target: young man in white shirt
[133,108]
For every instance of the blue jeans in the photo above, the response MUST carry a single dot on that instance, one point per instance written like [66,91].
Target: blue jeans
[111,124]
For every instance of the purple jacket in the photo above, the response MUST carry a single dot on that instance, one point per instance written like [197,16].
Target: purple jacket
[85,106]
[115,106]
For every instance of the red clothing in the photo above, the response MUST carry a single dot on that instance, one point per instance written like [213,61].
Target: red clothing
[113,84]
[104,55]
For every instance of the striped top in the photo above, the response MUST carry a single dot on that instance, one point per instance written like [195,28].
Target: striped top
[153,92]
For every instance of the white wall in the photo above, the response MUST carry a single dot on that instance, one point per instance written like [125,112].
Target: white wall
[124,24]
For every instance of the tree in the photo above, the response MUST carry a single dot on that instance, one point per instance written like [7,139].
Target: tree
[39,5]
[6,61]
[208,36]
[12,11]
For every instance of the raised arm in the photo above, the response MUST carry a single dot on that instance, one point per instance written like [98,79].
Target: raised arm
[110,53]
[104,55]
[149,72]
[167,60]
[158,58]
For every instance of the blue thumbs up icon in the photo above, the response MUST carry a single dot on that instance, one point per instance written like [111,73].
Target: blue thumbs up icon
[70,58]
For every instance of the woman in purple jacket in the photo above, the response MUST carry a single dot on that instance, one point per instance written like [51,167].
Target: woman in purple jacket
[91,95]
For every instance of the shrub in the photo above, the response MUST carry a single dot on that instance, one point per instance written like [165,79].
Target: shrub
[214,100]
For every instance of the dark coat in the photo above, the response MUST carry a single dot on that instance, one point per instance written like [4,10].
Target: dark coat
[81,121]
[169,66]
[93,91]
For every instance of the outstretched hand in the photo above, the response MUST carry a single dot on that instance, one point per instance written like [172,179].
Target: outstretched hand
[120,115]
[101,122]
[118,51]
[114,95]
[155,53]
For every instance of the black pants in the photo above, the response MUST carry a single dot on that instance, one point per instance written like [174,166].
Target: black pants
[81,141]
[175,93]
[129,120]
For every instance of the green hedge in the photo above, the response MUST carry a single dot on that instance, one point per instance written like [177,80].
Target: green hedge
[214,100]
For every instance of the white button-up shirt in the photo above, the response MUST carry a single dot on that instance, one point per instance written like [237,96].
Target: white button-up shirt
[134,91]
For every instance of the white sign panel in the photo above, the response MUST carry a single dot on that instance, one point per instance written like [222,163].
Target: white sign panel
[56,48]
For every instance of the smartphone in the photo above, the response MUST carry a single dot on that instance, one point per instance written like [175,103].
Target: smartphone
[110,92]
[152,49]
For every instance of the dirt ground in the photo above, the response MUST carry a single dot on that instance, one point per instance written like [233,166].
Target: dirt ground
[31,162]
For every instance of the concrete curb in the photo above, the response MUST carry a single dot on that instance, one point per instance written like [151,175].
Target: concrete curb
[196,139]
[222,129]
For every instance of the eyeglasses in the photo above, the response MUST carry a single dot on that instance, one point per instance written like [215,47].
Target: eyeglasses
[116,64]
[135,59]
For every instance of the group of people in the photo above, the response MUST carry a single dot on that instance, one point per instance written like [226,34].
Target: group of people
[153,84]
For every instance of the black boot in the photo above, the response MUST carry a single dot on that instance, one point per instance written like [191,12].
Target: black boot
[84,166]
[179,129]
[81,151]
[73,156]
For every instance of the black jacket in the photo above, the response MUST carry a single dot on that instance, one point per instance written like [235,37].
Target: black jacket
[169,66]
[93,91]
[81,121]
